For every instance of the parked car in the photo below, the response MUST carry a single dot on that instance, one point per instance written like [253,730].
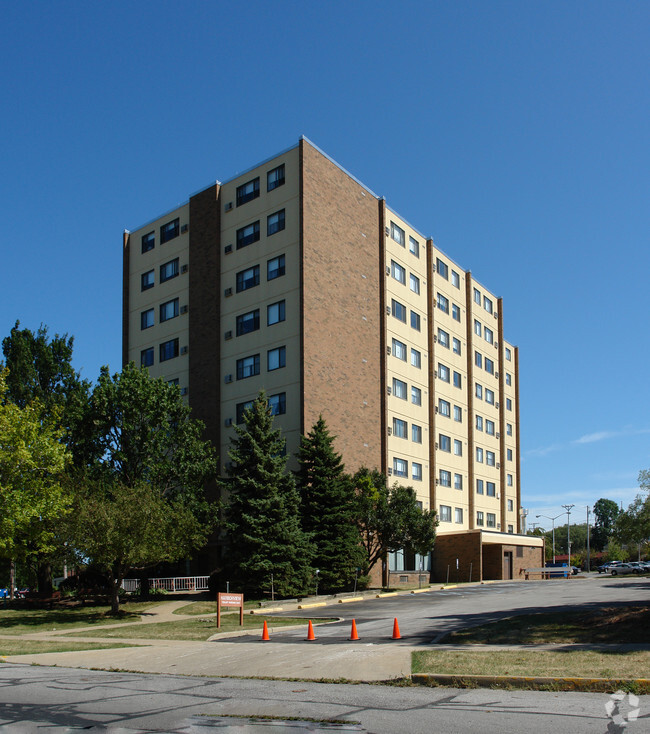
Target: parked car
[640,566]
[606,567]
[622,568]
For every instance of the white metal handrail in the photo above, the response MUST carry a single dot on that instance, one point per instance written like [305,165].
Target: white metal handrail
[171,584]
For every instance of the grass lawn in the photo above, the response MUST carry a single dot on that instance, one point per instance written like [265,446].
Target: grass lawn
[194,629]
[33,647]
[26,621]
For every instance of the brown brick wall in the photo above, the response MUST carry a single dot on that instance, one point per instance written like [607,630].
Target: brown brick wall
[341,334]
[466,547]
[494,563]
[407,578]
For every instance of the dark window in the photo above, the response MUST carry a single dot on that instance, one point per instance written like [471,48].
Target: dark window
[275,222]
[146,319]
[248,191]
[276,358]
[275,313]
[168,310]
[278,403]
[146,357]
[248,234]
[248,278]
[148,241]
[147,280]
[241,409]
[275,178]
[169,350]
[248,322]
[169,270]
[169,231]
[248,367]
[275,267]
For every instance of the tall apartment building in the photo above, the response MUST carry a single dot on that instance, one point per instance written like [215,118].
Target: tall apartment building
[296,278]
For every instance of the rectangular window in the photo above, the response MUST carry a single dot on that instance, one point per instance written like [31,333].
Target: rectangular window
[400,467]
[398,272]
[147,280]
[248,191]
[416,472]
[444,443]
[400,428]
[169,270]
[489,336]
[168,310]
[489,366]
[416,433]
[400,389]
[511,530]
[415,321]
[509,480]
[146,357]
[275,267]
[276,358]
[455,279]
[509,429]
[397,233]
[275,178]
[479,517]
[477,296]
[490,458]
[248,234]
[274,313]
[491,520]
[487,304]
[445,513]
[509,454]
[458,414]
[489,396]
[478,359]
[490,489]
[477,327]
[479,391]
[443,303]
[508,378]
[414,283]
[455,312]
[479,486]
[510,506]
[508,354]
[458,515]
[168,350]
[489,427]
[479,454]
[416,358]
[444,408]
[458,381]
[398,310]
[399,349]
[443,372]
[275,223]
[278,403]
[443,338]
[169,231]
[458,481]
[146,319]
[148,241]
[455,343]
[416,395]
[445,478]
[479,423]
[442,269]
[241,409]
[414,247]
[508,404]
[248,278]
[458,447]
[248,322]
[248,367]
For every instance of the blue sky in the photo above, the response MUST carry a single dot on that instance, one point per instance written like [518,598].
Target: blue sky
[515,134]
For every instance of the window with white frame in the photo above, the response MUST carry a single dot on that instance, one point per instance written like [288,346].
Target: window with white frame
[414,247]
[490,458]
[416,395]
[511,529]
[398,272]
[400,428]
[487,304]
[489,335]
[443,372]
[478,391]
[479,423]
[477,296]
[509,480]
[477,327]
[399,349]
[455,279]
[509,429]
[414,283]
[479,518]
[443,338]
[508,354]
[442,302]
[479,454]
[397,233]
[458,447]
[416,471]
[508,378]
[444,478]
[455,343]
[489,396]
[491,520]
[400,389]
[445,513]
[458,515]
[444,407]
[400,467]
[458,481]
[489,427]
[416,358]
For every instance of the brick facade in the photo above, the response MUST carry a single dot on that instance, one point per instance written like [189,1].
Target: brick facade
[466,547]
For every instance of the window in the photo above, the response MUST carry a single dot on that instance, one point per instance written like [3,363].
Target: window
[146,319]
[458,481]
[445,513]
[489,366]
[275,267]
[416,472]
[248,278]
[455,344]
[397,233]
[509,480]
[147,280]
[169,270]
[512,530]
[442,269]
[241,409]
[489,427]
[508,378]
[415,321]
[509,429]
[455,312]
[444,408]
[414,283]
[443,338]
[169,231]
[276,358]
[148,241]
[479,391]
[168,350]
[398,310]
[479,486]
[248,191]
[146,357]
[399,349]
[490,489]
[458,447]
[400,467]
[248,322]
[416,358]
[414,247]
[490,458]
[274,313]
[398,272]
[479,423]
[175,381]
[477,296]
[399,389]
[508,354]
[487,304]
[445,478]
[458,515]
[489,396]
[458,414]
[455,279]
[443,303]
[168,310]
[479,518]
[478,359]
[489,336]
[275,223]
[491,520]
[248,234]
[278,403]
[444,443]
[509,454]
[510,506]
[416,395]
[458,381]
[275,178]
[248,367]
[479,454]
[443,372]
[400,428]
[508,404]
[416,433]
[477,327]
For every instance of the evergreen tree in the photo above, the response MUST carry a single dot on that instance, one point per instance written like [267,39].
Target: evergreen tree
[328,504]
[262,515]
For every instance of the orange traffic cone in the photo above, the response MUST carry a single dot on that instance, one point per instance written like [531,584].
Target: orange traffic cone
[310,632]
[265,633]
[353,631]
[396,634]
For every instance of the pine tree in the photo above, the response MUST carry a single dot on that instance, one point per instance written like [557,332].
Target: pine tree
[262,514]
[328,509]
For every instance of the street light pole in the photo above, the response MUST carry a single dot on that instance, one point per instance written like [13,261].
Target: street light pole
[588,551]
[552,519]
[568,509]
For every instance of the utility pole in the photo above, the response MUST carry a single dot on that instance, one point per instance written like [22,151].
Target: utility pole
[568,509]
[588,551]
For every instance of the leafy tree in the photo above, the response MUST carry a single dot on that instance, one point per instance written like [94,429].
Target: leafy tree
[644,479]
[390,519]
[328,503]
[633,525]
[605,513]
[262,512]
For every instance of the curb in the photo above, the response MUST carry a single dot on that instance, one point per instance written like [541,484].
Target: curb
[599,685]
[350,598]
[311,606]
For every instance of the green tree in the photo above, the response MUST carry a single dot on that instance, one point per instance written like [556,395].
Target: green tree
[632,526]
[328,504]
[263,510]
[605,514]
[390,519]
